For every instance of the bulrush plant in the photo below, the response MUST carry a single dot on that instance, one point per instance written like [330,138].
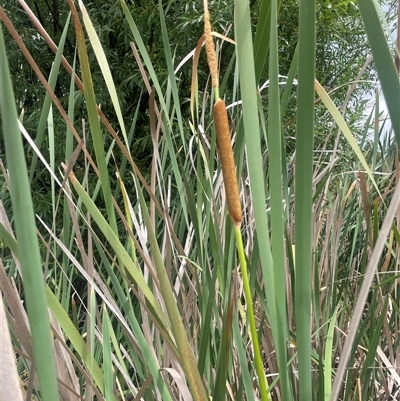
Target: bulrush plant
[232,195]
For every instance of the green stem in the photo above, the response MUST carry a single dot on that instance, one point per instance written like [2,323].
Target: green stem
[262,380]
[216,93]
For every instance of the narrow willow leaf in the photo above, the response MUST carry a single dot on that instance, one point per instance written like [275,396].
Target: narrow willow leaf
[383,59]
[171,74]
[335,113]
[55,68]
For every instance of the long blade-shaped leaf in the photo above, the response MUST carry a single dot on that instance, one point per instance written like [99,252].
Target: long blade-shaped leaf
[275,182]
[253,145]
[303,193]
[252,139]
[105,69]
[94,122]
[25,229]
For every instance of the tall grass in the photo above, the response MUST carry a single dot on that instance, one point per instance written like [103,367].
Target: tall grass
[140,295]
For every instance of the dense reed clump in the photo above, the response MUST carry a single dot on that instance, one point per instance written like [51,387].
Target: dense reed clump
[135,288]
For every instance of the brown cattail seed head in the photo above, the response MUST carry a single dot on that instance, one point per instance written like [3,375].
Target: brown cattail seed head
[227,163]
[211,57]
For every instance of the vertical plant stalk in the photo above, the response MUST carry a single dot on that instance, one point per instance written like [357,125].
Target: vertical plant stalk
[303,193]
[397,48]
[25,228]
[262,379]
[232,195]
[276,183]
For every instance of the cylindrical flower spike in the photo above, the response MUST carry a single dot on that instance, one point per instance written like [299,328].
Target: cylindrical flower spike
[211,57]
[227,163]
